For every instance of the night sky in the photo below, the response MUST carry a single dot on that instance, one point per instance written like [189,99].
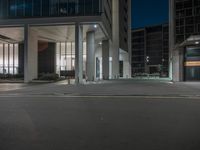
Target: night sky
[149,12]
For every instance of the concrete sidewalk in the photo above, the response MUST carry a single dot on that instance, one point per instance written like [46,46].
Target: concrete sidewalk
[108,88]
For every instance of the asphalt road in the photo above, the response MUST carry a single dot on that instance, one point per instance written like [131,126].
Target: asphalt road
[99,123]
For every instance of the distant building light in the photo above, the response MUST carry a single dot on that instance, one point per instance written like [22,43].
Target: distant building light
[196,42]
[147,59]
[95,26]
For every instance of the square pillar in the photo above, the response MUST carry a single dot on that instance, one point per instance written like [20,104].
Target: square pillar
[90,63]
[105,59]
[78,54]
[30,54]
[172,74]
[178,70]
[115,40]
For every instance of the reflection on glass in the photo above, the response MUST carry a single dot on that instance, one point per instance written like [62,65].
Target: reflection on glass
[49,8]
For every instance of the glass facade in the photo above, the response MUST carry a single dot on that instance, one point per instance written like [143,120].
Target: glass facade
[65,57]
[192,64]
[49,8]
[187,19]
[138,52]
[150,50]
[192,73]
[9,59]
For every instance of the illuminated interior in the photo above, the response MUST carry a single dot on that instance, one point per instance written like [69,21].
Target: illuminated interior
[9,59]
[65,57]
[56,50]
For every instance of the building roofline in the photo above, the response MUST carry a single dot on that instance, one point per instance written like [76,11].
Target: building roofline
[149,26]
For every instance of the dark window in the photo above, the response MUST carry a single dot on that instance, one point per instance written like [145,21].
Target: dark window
[20,7]
[45,8]
[192,53]
[48,8]
[28,8]
[88,7]
[12,8]
[37,8]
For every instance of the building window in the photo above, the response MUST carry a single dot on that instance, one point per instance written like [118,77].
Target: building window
[65,57]
[48,8]
[9,59]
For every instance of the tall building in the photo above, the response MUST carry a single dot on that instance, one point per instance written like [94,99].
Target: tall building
[150,50]
[74,38]
[184,40]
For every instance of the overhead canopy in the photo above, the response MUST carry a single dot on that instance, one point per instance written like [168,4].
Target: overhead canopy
[192,40]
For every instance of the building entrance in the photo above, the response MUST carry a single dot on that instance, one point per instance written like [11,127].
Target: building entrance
[192,64]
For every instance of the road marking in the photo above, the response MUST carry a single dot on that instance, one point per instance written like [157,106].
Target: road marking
[99,96]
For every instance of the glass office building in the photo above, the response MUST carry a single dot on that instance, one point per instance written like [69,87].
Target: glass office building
[184,40]
[73,38]
[150,50]
[49,8]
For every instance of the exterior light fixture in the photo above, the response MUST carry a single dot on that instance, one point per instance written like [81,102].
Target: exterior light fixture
[147,58]
[95,26]
[196,42]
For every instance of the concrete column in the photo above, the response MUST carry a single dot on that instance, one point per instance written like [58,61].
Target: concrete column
[124,56]
[178,66]
[130,37]
[90,63]
[98,54]
[30,54]
[115,43]
[55,61]
[171,37]
[78,54]
[105,59]
[181,63]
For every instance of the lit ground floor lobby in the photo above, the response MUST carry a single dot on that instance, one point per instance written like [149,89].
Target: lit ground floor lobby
[81,52]
[186,60]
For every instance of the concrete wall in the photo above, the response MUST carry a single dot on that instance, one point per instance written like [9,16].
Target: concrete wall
[90,63]
[116,40]
[124,56]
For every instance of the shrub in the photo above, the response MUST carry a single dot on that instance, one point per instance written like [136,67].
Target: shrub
[49,77]
[11,76]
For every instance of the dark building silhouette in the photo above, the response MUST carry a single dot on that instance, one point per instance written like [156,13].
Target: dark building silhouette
[150,50]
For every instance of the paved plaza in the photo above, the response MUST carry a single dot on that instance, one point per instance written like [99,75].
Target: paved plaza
[112,87]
